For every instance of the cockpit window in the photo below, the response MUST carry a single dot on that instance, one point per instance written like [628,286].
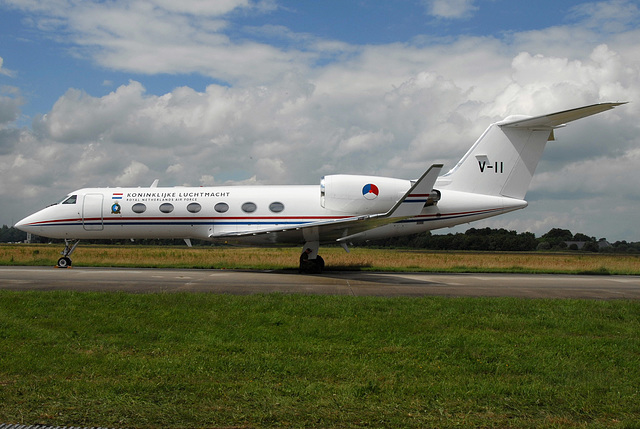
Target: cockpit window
[71,200]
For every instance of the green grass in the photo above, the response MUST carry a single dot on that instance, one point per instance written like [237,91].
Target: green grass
[203,360]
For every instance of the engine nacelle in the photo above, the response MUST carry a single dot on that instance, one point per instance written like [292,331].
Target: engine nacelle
[361,194]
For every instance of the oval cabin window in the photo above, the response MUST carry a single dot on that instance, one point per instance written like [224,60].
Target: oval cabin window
[166,208]
[221,207]
[139,208]
[249,207]
[276,207]
[194,207]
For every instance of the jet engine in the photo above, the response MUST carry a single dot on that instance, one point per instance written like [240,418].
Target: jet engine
[361,194]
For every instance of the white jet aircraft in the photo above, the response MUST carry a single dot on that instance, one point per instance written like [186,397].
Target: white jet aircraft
[492,178]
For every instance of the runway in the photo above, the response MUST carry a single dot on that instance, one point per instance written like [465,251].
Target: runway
[237,282]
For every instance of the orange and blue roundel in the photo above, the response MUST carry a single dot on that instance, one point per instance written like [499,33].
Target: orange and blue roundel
[370,191]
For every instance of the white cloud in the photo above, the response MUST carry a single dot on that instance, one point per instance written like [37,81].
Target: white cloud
[395,121]
[190,7]
[132,174]
[10,102]
[540,82]
[175,169]
[207,180]
[392,116]
[607,16]
[594,176]
[161,36]
[202,7]
[272,167]
[79,117]
[450,9]
[4,71]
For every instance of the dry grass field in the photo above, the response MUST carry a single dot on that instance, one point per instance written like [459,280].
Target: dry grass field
[335,258]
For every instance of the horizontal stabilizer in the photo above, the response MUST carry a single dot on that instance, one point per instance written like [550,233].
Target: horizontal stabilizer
[557,119]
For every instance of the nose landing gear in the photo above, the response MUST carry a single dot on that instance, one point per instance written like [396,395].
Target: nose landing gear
[65,261]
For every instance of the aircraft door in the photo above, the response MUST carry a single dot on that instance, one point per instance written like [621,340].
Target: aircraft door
[92,212]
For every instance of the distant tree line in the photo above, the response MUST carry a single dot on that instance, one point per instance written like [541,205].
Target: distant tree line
[488,239]
[11,235]
[474,239]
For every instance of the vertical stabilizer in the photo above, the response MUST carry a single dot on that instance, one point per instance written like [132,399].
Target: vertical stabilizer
[502,161]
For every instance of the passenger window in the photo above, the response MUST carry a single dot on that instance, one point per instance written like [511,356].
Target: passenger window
[194,207]
[221,207]
[249,207]
[166,208]
[71,200]
[276,207]
[139,208]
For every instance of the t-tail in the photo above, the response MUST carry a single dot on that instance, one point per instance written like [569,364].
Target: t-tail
[502,161]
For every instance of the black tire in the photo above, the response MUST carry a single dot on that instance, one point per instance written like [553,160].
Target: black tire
[64,262]
[319,264]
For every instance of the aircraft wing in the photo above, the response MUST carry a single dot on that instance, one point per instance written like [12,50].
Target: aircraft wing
[558,119]
[409,205]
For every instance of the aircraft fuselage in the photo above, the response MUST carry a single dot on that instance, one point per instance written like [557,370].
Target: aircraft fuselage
[211,213]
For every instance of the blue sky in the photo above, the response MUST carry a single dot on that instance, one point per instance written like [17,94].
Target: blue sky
[197,92]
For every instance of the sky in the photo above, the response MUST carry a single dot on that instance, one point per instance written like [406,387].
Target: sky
[199,93]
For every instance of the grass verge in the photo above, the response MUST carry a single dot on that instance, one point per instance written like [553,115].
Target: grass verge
[201,360]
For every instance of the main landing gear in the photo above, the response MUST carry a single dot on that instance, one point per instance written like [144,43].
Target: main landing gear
[65,261]
[312,266]
[310,261]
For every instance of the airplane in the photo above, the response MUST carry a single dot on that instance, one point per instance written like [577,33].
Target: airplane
[492,178]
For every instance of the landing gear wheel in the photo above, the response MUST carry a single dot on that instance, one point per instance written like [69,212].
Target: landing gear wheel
[64,262]
[319,264]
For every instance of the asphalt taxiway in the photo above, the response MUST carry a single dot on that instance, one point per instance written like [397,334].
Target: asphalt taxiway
[153,280]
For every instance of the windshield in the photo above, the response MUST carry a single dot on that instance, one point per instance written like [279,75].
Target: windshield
[69,199]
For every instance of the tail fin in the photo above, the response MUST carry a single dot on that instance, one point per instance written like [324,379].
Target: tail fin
[502,161]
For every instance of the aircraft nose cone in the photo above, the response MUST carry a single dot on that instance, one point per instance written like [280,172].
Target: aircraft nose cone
[21,225]
[24,224]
